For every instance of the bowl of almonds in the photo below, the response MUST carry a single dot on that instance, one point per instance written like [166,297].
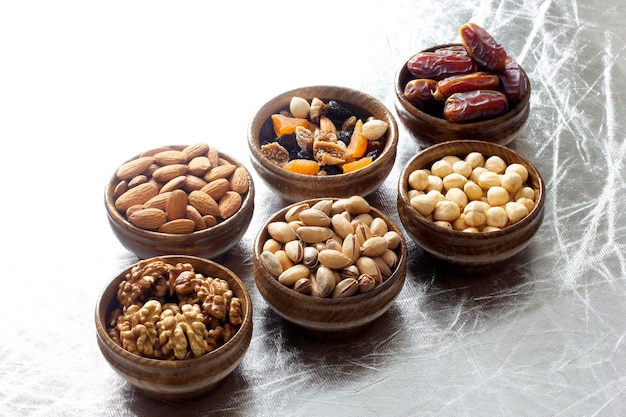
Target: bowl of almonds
[174,326]
[323,141]
[469,90]
[181,199]
[471,203]
[330,265]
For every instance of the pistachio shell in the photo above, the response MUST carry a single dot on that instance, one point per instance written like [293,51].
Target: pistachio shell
[281,231]
[378,226]
[271,263]
[369,267]
[366,283]
[325,206]
[342,225]
[294,250]
[313,234]
[314,217]
[310,257]
[345,288]
[357,205]
[303,286]
[351,248]
[333,259]
[374,246]
[323,282]
[294,212]
[290,276]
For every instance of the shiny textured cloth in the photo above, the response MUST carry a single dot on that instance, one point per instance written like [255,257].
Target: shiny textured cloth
[87,85]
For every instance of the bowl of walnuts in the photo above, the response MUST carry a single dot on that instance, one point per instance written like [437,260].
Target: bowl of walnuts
[174,326]
[180,199]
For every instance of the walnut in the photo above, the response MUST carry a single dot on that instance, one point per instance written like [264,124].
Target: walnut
[179,332]
[137,328]
[216,295]
[140,280]
[235,312]
[174,272]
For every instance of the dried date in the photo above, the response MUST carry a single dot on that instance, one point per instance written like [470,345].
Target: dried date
[512,81]
[481,46]
[466,82]
[475,105]
[419,92]
[439,66]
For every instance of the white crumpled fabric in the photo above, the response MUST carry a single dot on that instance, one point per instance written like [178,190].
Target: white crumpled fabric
[87,85]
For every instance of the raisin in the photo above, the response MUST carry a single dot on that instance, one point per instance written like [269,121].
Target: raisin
[337,112]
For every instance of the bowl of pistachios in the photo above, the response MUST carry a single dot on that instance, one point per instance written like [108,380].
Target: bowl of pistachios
[330,265]
[469,90]
[323,141]
[471,203]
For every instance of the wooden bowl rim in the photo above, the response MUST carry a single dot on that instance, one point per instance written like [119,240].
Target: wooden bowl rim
[273,105]
[174,238]
[440,122]
[457,234]
[238,337]
[326,301]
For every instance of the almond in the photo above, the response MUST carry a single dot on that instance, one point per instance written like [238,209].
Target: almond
[170,157]
[134,167]
[209,220]
[168,172]
[138,195]
[193,183]
[194,214]
[120,189]
[176,205]
[214,156]
[174,184]
[229,204]
[178,226]
[199,166]
[239,180]
[197,149]
[204,203]
[158,201]
[155,151]
[221,171]
[217,188]
[137,180]
[150,218]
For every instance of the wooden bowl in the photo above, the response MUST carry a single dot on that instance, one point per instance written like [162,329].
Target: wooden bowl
[295,187]
[208,243]
[176,379]
[473,250]
[328,316]
[428,130]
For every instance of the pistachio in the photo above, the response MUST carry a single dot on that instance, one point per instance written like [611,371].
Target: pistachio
[303,286]
[362,232]
[366,283]
[271,263]
[351,247]
[369,267]
[374,246]
[272,245]
[325,206]
[345,288]
[390,257]
[313,234]
[310,257]
[357,205]
[294,250]
[383,267]
[284,260]
[281,231]
[364,218]
[334,244]
[333,259]
[323,282]
[342,225]
[290,276]
[378,226]
[293,213]
[393,239]
[314,217]
[350,271]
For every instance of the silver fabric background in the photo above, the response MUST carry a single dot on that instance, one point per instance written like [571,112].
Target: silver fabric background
[87,85]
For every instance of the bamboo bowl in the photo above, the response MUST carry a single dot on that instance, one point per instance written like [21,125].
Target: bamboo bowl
[472,250]
[427,129]
[296,187]
[326,316]
[176,379]
[208,243]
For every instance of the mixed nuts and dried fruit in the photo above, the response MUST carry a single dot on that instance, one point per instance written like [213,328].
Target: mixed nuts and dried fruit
[170,311]
[476,80]
[332,248]
[180,190]
[472,194]
[322,137]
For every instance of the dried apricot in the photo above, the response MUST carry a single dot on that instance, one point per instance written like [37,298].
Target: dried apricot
[356,165]
[358,143]
[284,125]
[302,166]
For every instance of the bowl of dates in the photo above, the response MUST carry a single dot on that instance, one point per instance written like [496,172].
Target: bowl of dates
[323,141]
[471,203]
[471,90]
[174,326]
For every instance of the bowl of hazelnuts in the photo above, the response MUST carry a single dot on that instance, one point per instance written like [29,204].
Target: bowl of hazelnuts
[180,199]
[469,90]
[471,203]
